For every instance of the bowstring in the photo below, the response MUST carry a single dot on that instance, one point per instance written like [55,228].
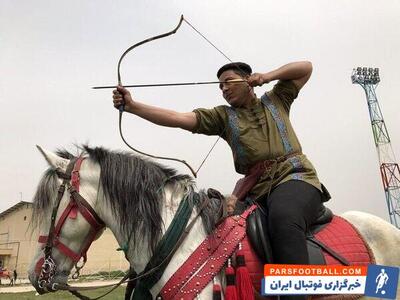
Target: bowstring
[208,41]
[223,54]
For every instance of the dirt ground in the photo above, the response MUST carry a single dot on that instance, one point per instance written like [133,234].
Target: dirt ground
[23,286]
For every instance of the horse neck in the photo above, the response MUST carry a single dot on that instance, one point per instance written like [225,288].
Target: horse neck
[196,235]
[139,255]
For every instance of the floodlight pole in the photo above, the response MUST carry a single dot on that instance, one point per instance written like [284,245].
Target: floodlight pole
[368,79]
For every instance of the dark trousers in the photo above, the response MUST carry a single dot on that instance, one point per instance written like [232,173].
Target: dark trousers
[291,207]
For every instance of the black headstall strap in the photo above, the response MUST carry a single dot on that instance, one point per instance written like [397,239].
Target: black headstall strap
[48,267]
[66,178]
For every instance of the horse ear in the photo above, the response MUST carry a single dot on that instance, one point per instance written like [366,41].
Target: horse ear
[54,160]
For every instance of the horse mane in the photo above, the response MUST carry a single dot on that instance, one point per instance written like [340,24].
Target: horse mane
[136,200]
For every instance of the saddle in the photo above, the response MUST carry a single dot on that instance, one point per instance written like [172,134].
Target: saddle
[257,230]
[259,238]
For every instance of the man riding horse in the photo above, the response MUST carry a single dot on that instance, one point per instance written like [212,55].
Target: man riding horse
[265,149]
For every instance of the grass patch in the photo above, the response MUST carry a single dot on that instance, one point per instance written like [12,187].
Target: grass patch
[118,293]
[102,275]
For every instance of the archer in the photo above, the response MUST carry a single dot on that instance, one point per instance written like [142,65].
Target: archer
[264,145]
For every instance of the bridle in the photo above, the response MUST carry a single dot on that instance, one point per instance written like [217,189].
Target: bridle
[46,267]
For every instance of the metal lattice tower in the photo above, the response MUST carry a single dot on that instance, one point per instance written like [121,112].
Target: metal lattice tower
[368,79]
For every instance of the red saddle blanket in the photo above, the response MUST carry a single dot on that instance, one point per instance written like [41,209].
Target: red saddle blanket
[339,235]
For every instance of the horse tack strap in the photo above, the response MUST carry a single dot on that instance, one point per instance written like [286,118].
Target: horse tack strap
[75,181]
[81,204]
[61,247]
[63,217]
[75,178]
[56,242]
[197,259]
[86,210]
[207,260]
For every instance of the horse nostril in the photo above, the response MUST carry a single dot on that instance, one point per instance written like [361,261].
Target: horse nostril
[34,281]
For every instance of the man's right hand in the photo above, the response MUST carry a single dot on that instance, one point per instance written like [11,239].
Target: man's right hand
[121,96]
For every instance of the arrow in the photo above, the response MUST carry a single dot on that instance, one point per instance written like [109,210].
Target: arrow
[168,84]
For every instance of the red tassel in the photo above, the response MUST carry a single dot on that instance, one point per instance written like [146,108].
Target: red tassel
[243,281]
[230,292]
[216,291]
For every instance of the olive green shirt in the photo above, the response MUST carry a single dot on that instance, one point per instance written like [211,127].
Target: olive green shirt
[261,132]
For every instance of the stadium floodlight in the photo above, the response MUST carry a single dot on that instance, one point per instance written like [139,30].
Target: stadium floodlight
[364,75]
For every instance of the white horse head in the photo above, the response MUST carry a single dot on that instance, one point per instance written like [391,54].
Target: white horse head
[74,231]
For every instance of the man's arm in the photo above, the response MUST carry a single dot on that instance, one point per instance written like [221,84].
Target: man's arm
[298,72]
[156,115]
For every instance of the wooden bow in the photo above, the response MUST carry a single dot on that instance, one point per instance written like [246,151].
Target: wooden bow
[121,108]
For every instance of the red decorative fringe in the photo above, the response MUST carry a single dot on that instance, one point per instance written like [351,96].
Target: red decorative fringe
[216,292]
[243,281]
[230,292]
